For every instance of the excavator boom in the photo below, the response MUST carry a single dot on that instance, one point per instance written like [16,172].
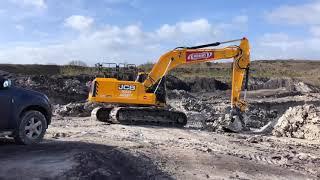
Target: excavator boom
[196,54]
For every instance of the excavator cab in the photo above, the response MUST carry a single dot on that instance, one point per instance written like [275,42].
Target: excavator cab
[121,71]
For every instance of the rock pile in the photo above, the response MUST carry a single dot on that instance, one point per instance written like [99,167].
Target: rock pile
[59,89]
[299,122]
[201,114]
[75,109]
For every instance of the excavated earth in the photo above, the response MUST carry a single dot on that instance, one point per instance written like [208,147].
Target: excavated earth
[282,140]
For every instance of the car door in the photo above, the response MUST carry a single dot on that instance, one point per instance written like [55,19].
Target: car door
[5,107]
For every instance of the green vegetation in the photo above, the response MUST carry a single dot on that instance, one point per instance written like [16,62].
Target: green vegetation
[308,71]
[71,70]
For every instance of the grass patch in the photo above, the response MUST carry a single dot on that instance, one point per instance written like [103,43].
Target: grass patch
[307,71]
[70,70]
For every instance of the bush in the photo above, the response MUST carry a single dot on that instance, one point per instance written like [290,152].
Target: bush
[77,63]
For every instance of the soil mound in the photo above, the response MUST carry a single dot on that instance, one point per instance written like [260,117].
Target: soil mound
[299,122]
[289,84]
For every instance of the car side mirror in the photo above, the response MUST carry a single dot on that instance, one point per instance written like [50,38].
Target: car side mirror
[6,84]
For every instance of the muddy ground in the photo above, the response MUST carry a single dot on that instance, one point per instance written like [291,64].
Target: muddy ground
[81,148]
[282,141]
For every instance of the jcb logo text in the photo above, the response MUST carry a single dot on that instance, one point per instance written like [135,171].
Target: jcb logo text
[127,87]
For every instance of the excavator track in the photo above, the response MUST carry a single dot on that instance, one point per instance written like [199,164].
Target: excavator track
[140,116]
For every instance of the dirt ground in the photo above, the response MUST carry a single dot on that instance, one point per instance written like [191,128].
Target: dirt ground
[80,148]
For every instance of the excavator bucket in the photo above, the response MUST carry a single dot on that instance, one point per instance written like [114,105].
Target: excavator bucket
[234,121]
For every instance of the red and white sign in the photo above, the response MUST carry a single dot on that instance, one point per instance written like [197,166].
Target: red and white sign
[198,56]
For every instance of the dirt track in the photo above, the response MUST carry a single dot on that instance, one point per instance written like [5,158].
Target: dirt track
[82,148]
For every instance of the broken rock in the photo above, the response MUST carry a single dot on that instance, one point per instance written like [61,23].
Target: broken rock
[299,122]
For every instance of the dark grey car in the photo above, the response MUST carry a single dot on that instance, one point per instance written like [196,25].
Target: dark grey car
[24,114]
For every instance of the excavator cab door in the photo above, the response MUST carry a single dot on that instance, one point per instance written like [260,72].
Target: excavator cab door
[141,77]
[160,90]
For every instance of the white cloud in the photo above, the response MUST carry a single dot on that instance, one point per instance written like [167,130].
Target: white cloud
[197,29]
[241,19]
[283,46]
[36,3]
[111,43]
[133,30]
[41,4]
[19,27]
[315,31]
[23,10]
[78,22]
[167,31]
[115,43]
[296,14]
[277,40]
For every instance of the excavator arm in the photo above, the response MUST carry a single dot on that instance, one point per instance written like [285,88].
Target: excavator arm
[199,54]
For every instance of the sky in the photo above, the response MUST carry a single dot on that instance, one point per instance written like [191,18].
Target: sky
[139,31]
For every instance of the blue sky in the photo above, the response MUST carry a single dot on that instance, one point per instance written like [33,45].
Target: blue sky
[139,31]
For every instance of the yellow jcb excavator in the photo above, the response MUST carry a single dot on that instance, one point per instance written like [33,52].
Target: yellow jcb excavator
[143,101]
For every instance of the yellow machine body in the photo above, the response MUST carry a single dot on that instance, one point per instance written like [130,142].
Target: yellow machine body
[110,90]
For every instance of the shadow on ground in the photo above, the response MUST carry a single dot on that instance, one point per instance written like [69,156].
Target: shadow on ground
[79,160]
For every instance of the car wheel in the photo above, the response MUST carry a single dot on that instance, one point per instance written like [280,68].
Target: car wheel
[32,128]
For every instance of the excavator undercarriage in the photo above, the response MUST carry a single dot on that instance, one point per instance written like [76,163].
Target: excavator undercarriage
[140,116]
